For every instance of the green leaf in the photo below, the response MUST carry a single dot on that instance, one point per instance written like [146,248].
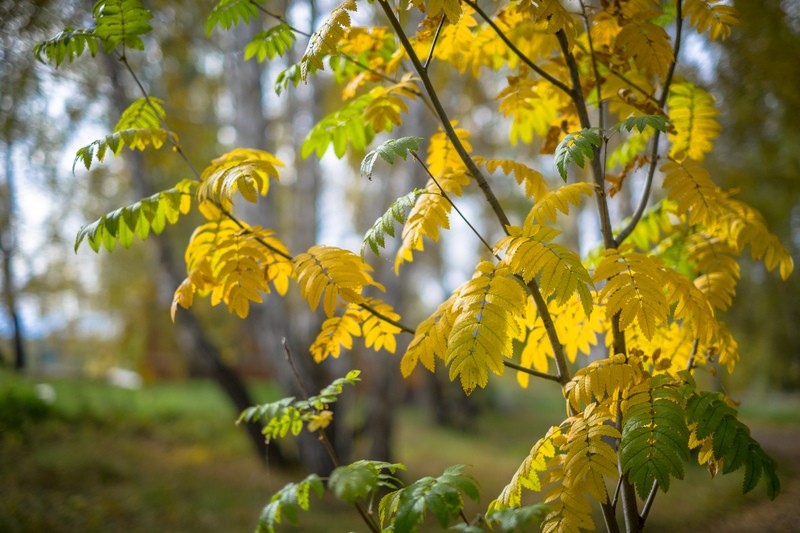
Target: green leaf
[273,42]
[640,122]
[287,501]
[346,126]
[389,152]
[575,147]
[527,518]
[655,437]
[143,113]
[731,441]
[288,414]
[291,74]
[121,22]
[442,496]
[228,13]
[359,480]
[135,139]
[384,225]
[68,44]
[148,214]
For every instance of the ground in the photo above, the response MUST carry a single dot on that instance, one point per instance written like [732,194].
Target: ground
[169,458]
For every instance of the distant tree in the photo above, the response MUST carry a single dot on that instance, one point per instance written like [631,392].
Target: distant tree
[596,92]
[25,135]
[756,154]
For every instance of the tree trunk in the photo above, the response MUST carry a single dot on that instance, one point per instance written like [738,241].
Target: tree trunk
[7,248]
[192,339]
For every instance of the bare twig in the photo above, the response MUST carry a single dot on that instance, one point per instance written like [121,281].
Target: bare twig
[532,372]
[433,44]
[323,438]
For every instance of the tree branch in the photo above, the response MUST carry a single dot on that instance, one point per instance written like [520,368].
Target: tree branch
[583,115]
[598,82]
[326,443]
[517,52]
[433,44]
[442,115]
[640,209]
[450,201]
[531,371]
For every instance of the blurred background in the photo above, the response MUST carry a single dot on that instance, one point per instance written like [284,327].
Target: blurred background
[112,417]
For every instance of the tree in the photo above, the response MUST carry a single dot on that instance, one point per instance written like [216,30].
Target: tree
[597,93]
[758,128]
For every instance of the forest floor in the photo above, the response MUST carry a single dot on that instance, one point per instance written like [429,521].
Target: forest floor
[169,458]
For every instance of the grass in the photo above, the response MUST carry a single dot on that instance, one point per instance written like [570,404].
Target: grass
[169,458]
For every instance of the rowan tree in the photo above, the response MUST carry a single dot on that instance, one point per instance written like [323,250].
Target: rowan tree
[589,89]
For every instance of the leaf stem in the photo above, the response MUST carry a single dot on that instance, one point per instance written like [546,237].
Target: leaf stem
[323,438]
[450,201]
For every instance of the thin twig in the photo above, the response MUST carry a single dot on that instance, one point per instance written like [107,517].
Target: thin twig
[583,115]
[616,493]
[598,82]
[648,504]
[640,209]
[525,59]
[450,201]
[433,44]
[296,375]
[378,314]
[323,438]
[532,372]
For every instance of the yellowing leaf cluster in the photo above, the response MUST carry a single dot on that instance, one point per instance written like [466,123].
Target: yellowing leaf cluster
[357,320]
[331,275]
[432,209]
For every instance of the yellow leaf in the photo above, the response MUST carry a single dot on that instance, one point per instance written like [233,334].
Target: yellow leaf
[449,8]
[430,339]
[324,41]
[337,332]
[647,44]
[693,114]
[489,308]
[242,169]
[320,420]
[633,289]
[330,274]
[711,16]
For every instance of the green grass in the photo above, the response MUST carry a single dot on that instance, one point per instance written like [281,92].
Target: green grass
[169,458]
